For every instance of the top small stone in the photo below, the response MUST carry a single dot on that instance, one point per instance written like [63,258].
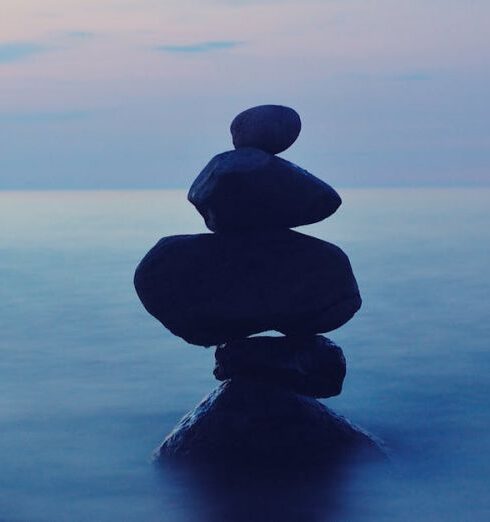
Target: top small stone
[272,128]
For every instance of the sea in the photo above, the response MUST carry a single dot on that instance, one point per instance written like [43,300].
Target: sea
[90,383]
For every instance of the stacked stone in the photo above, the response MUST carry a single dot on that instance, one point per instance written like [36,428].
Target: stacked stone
[250,275]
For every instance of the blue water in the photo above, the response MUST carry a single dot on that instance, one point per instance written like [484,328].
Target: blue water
[90,383]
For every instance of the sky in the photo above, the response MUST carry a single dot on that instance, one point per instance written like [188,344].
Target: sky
[140,93]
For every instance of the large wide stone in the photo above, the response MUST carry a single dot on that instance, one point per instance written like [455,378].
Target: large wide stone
[259,424]
[310,365]
[213,288]
[249,188]
[272,128]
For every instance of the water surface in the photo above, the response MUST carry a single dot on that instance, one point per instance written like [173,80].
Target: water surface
[90,383]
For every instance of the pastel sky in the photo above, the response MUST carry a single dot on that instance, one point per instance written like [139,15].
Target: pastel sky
[140,93]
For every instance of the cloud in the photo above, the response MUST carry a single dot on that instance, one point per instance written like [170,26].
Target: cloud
[387,76]
[200,47]
[79,35]
[43,116]
[245,3]
[11,52]
[417,76]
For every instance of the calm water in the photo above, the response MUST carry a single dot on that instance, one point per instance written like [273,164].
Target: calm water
[90,383]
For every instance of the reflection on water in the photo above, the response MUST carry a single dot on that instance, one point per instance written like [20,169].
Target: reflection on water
[242,495]
[90,384]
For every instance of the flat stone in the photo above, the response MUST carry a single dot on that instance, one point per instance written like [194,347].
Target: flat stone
[249,188]
[255,423]
[213,288]
[310,365]
[272,128]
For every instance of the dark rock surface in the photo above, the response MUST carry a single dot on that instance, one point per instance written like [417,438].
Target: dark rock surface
[213,288]
[272,128]
[252,422]
[249,188]
[311,365]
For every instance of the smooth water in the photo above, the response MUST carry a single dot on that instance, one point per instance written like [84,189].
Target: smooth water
[90,383]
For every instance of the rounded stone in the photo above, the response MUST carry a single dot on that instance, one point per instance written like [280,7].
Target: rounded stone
[252,189]
[213,288]
[309,365]
[272,128]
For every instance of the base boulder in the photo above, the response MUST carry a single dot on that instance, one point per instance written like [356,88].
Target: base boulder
[261,424]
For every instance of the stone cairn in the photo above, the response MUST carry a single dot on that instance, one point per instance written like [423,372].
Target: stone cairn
[253,274]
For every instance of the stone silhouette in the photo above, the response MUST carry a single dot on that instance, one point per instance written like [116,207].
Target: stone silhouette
[271,128]
[312,366]
[252,189]
[253,274]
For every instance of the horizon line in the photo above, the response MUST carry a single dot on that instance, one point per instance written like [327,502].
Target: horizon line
[180,189]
